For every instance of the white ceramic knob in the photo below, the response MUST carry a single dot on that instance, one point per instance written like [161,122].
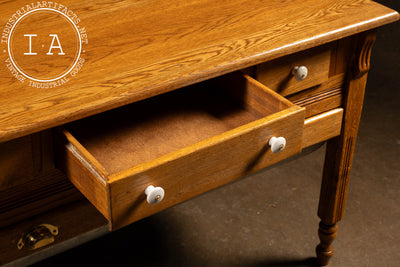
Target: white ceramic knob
[277,144]
[154,194]
[300,73]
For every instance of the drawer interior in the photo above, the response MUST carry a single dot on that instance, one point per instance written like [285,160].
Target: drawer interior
[145,130]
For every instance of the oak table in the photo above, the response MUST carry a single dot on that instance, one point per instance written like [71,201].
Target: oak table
[141,105]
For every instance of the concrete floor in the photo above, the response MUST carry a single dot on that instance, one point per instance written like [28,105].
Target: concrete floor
[269,218]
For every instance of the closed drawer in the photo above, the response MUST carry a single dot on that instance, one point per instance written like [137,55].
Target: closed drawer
[278,74]
[187,141]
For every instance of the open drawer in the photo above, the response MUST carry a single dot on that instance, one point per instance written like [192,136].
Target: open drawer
[187,142]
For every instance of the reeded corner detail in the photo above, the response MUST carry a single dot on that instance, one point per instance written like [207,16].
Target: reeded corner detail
[363,53]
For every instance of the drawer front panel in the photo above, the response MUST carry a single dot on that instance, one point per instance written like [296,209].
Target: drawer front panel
[214,164]
[278,76]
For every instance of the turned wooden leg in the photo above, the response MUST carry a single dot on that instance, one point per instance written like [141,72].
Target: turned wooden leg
[339,151]
[324,250]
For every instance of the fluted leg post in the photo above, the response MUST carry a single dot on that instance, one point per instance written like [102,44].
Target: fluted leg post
[339,151]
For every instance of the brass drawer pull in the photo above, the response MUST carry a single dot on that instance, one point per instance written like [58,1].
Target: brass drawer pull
[38,237]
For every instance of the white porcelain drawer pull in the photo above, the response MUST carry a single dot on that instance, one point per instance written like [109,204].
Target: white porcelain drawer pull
[300,73]
[154,194]
[277,144]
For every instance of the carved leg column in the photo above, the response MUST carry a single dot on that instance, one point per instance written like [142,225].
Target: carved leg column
[339,152]
[327,234]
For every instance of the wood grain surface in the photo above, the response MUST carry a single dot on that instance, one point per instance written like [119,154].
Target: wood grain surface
[139,49]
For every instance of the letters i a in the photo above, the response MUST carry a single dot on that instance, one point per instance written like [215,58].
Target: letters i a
[55,39]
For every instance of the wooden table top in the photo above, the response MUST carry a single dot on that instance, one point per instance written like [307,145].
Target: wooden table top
[138,49]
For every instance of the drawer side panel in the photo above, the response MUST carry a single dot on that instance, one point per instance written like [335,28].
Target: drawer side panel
[78,170]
